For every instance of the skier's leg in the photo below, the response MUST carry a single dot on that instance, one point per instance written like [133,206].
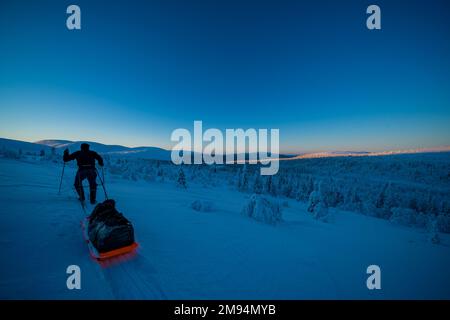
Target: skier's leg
[92,177]
[78,184]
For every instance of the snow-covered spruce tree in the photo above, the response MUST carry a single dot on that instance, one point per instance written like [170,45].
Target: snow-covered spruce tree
[403,216]
[329,193]
[269,186]
[352,201]
[262,209]
[149,173]
[445,206]
[181,181]
[243,179]
[432,207]
[280,183]
[317,205]
[160,174]
[321,213]
[304,189]
[443,222]
[385,201]
[314,199]
[257,184]
[238,178]
[381,197]
[287,187]
[433,232]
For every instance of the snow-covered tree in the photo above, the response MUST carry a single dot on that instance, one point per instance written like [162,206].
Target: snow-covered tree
[317,205]
[314,199]
[270,186]
[433,233]
[262,209]
[304,188]
[321,213]
[243,179]
[353,201]
[386,201]
[409,217]
[257,185]
[443,222]
[331,192]
[181,181]
[403,216]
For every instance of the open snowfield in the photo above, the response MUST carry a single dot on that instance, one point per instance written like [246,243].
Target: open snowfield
[187,254]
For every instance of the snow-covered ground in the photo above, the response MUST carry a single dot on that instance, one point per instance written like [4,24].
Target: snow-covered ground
[190,254]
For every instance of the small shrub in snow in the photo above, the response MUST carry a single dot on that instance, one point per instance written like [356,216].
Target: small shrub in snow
[443,223]
[262,209]
[433,233]
[202,205]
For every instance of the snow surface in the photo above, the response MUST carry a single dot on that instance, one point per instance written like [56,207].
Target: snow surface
[187,254]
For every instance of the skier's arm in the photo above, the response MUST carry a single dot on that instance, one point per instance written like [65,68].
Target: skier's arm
[99,159]
[69,157]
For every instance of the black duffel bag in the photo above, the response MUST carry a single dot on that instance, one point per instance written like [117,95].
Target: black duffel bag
[108,229]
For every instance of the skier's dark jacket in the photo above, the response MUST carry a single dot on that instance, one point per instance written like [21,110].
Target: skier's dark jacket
[85,157]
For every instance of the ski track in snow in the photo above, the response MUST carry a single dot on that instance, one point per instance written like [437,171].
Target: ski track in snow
[129,277]
[133,279]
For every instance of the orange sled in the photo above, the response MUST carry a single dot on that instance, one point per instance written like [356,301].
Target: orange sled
[101,256]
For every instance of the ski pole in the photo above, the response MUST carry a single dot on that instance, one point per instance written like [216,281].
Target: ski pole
[62,175]
[101,181]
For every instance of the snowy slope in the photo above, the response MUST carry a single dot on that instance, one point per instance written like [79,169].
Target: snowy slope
[55,143]
[366,153]
[188,254]
[113,150]
[17,145]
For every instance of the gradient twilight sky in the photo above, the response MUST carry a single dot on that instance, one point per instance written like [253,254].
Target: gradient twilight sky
[139,69]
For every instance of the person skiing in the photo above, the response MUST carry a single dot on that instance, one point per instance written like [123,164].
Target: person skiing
[86,170]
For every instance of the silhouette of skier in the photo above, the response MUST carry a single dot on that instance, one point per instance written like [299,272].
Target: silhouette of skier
[86,170]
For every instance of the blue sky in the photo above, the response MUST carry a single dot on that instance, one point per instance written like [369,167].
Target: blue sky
[139,69]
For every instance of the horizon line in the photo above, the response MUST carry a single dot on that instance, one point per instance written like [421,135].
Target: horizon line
[318,153]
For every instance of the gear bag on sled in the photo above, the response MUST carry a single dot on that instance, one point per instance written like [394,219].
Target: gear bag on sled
[108,229]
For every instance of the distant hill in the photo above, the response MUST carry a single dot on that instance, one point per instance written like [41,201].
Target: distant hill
[137,152]
[156,153]
[58,146]
[366,153]
[54,143]
[16,145]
